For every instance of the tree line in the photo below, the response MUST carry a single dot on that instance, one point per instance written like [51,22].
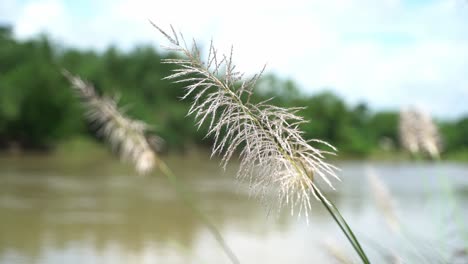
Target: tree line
[38,110]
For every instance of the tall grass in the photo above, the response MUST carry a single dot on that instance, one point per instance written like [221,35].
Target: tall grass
[128,138]
[417,126]
[125,135]
[409,246]
[273,153]
[419,134]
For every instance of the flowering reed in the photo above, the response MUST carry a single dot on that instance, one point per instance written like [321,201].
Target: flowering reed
[384,200]
[273,152]
[418,133]
[272,149]
[125,135]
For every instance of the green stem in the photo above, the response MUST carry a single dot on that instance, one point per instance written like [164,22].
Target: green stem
[366,260]
[331,208]
[184,195]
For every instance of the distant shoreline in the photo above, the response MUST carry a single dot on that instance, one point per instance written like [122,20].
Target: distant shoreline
[79,147]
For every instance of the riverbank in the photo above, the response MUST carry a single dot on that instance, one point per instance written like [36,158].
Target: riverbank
[82,148]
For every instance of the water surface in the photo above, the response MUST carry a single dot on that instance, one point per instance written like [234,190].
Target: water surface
[95,210]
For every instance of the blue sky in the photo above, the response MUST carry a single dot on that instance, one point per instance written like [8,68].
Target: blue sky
[389,53]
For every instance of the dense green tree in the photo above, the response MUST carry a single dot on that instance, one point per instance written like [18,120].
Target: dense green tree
[455,135]
[38,110]
[384,125]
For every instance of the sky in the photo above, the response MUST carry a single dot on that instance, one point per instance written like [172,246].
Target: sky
[388,53]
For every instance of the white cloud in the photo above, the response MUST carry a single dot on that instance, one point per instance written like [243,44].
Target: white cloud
[42,16]
[389,53]
[9,10]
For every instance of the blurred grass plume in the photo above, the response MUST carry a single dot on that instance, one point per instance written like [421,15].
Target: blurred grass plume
[125,135]
[418,133]
[384,200]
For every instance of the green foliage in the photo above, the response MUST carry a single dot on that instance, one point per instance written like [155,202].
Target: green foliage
[34,110]
[455,133]
[37,109]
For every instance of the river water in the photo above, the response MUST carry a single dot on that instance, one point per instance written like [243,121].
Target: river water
[95,210]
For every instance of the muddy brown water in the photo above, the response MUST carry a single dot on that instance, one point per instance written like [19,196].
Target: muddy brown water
[96,210]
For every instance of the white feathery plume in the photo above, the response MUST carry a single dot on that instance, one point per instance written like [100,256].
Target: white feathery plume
[418,133]
[273,152]
[384,200]
[430,138]
[125,135]
[408,131]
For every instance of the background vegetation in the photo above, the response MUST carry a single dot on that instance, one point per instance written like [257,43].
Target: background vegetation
[38,111]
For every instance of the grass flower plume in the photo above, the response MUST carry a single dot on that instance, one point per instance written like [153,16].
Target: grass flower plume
[125,135]
[384,200]
[273,152]
[418,133]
